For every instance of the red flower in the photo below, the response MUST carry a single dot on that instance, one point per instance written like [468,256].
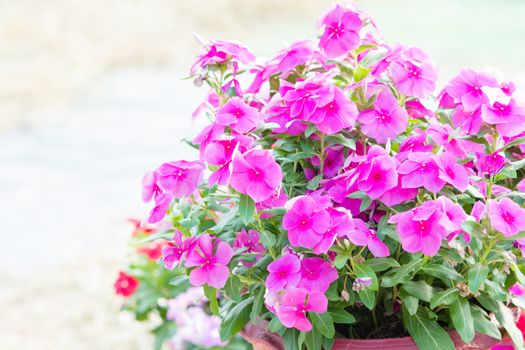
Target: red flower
[153,250]
[125,284]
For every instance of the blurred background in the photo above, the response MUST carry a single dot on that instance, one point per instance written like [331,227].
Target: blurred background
[91,97]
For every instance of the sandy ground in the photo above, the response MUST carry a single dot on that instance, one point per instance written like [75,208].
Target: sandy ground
[91,97]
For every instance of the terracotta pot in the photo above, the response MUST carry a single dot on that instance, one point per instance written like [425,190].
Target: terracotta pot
[262,339]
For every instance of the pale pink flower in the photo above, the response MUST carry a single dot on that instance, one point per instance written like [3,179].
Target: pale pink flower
[150,188]
[211,260]
[341,31]
[220,52]
[298,53]
[521,185]
[249,241]
[509,117]
[162,203]
[285,272]
[174,252]
[385,120]
[296,303]
[506,216]
[256,174]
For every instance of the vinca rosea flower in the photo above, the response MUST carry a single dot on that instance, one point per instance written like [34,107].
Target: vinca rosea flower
[283,273]
[386,120]
[210,259]
[467,88]
[377,176]
[305,222]
[414,72]
[238,115]
[341,31]
[180,178]
[256,174]
[150,188]
[174,252]
[296,303]
[316,274]
[421,229]
[219,52]
[506,216]
[451,172]
[125,284]
[363,236]
[421,171]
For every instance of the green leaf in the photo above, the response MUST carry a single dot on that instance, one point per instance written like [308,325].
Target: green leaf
[235,320]
[328,343]
[516,142]
[290,339]
[246,209]
[482,323]
[226,219]
[402,273]
[267,238]
[427,333]
[442,271]
[411,302]
[444,297]
[275,325]
[419,289]
[368,297]
[257,306]
[310,130]
[506,318]
[332,294]
[313,340]
[473,228]
[233,288]
[382,264]
[323,323]
[178,280]
[477,276]
[340,261]
[314,183]
[211,294]
[365,203]
[462,319]
[340,315]
[360,73]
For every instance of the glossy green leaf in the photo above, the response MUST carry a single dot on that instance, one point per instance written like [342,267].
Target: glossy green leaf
[235,319]
[476,276]
[462,319]
[427,333]
[211,294]
[323,323]
[233,288]
[341,316]
[444,297]
[246,209]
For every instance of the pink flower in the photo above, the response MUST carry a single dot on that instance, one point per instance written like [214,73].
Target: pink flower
[180,178]
[175,250]
[250,241]
[296,303]
[385,120]
[317,274]
[441,134]
[467,121]
[284,272]
[420,229]
[491,163]
[415,73]
[466,88]
[219,52]
[150,189]
[452,172]
[207,135]
[506,216]
[363,236]
[521,185]
[340,222]
[307,96]
[421,170]
[508,117]
[299,53]
[455,215]
[162,203]
[338,113]
[377,176]
[306,222]
[256,174]
[341,32]
[211,259]
[238,115]
[517,289]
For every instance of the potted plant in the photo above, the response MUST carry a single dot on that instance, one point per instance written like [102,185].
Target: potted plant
[345,200]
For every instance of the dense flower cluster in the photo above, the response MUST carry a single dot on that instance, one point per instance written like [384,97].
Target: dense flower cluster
[341,180]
